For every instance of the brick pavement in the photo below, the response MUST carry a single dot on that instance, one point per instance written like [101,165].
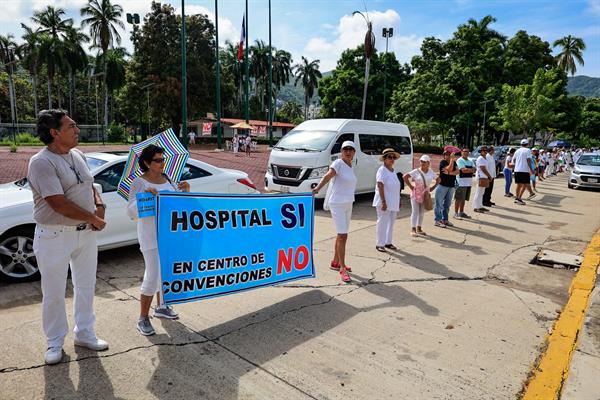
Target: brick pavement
[13,166]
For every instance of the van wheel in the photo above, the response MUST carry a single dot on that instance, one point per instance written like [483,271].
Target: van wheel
[17,261]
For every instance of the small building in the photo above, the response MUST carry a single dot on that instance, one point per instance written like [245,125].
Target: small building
[206,127]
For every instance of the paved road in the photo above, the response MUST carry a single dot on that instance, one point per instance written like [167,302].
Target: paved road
[461,314]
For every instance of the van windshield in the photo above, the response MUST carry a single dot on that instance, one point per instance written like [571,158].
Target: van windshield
[306,140]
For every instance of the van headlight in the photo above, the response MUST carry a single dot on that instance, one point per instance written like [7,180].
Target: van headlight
[269,169]
[318,172]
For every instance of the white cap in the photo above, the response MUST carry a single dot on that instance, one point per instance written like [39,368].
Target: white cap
[524,141]
[348,143]
[425,157]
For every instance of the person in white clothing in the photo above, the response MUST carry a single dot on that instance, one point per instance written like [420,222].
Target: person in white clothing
[192,136]
[236,144]
[340,196]
[482,174]
[422,178]
[491,167]
[153,180]
[248,144]
[387,199]
[523,171]
[68,211]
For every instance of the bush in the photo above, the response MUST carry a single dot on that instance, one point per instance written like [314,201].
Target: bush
[22,138]
[13,148]
[427,148]
[116,133]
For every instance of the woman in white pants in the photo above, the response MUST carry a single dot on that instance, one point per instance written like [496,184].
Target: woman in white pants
[340,196]
[153,180]
[236,144]
[482,173]
[387,199]
[422,178]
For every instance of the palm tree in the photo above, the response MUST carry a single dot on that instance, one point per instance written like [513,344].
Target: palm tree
[103,18]
[29,53]
[282,69]
[53,27]
[8,58]
[76,59]
[259,68]
[309,74]
[572,49]
[231,65]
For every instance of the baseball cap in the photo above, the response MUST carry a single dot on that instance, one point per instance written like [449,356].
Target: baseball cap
[425,158]
[524,141]
[348,143]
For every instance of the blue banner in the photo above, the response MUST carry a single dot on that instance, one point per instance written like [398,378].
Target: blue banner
[212,245]
[146,204]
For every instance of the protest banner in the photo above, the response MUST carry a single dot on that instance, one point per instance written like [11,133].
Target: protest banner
[212,244]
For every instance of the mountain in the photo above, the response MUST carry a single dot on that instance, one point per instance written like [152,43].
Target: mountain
[290,92]
[582,85]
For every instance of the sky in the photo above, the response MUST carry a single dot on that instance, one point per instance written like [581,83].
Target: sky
[322,29]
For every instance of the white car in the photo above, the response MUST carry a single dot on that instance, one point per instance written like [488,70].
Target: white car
[586,172]
[17,261]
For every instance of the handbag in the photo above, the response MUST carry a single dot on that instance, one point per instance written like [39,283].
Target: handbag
[484,182]
[427,201]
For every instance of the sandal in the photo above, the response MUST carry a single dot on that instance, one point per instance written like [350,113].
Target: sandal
[380,248]
[336,266]
[345,277]
[391,247]
[422,233]
[414,234]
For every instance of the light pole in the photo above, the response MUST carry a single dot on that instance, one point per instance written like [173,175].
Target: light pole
[369,48]
[387,33]
[147,87]
[183,137]
[218,70]
[96,86]
[484,102]
[270,83]
[134,19]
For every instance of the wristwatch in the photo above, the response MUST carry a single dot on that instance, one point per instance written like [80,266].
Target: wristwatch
[103,205]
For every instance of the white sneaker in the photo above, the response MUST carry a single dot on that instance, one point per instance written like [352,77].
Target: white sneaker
[53,355]
[92,344]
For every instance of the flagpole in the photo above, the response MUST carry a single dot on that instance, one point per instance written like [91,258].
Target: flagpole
[218,70]
[246,65]
[183,80]
[270,83]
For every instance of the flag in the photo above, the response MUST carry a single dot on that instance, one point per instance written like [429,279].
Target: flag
[240,54]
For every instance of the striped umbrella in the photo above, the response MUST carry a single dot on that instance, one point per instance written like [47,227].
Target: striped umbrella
[175,157]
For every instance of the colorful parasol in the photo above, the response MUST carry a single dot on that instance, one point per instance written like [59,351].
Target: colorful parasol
[175,158]
[451,149]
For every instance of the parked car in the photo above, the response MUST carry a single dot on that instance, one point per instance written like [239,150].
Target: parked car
[586,172]
[302,157]
[17,261]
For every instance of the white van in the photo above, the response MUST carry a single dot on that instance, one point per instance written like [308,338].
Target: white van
[302,157]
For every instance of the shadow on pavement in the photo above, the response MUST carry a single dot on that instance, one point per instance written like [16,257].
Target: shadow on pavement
[426,264]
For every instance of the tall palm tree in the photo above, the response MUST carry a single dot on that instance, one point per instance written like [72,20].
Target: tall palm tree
[259,68]
[282,69]
[8,58]
[572,49]
[29,53]
[232,66]
[76,59]
[53,27]
[308,73]
[103,18]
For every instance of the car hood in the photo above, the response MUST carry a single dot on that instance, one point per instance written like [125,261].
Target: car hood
[11,195]
[298,158]
[588,169]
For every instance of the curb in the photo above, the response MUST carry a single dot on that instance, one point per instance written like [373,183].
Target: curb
[551,372]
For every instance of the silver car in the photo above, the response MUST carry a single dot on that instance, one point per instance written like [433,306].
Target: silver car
[17,261]
[586,172]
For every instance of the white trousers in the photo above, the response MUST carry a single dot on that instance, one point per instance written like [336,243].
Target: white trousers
[55,250]
[341,213]
[151,282]
[478,199]
[417,213]
[385,226]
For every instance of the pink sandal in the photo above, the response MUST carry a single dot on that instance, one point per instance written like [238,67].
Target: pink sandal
[336,266]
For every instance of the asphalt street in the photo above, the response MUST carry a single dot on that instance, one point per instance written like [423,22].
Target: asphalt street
[460,314]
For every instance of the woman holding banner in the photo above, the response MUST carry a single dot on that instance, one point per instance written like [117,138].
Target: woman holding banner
[153,180]
[339,199]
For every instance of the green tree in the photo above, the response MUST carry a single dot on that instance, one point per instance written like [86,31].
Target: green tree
[588,131]
[75,60]
[8,57]
[103,19]
[291,111]
[572,50]
[308,73]
[29,52]
[523,56]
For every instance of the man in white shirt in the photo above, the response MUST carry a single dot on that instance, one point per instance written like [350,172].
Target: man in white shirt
[482,173]
[192,136]
[523,171]
[491,167]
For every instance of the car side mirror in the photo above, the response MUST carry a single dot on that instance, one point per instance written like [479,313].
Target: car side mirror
[98,187]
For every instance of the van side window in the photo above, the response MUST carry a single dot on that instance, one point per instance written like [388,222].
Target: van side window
[337,147]
[375,144]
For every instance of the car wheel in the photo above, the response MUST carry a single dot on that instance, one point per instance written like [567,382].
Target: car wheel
[570,186]
[17,261]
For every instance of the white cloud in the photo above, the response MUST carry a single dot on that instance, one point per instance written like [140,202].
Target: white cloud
[350,33]
[594,6]
[11,11]
[227,31]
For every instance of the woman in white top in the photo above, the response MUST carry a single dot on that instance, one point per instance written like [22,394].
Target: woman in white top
[236,144]
[340,197]
[387,199]
[508,167]
[153,180]
[421,182]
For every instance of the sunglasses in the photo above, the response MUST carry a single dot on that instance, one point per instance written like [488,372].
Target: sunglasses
[348,149]
[390,157]
[158,160]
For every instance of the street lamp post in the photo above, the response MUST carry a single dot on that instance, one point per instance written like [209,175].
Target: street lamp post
[387,33]
[96,86]
[484,102]
[183,137]
[369,48]
[147,87]
[218,70]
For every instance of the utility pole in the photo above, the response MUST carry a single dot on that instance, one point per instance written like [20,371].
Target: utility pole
[218,68]
[246,67]
[184,137]
[270,83]
[147,87]
[484,102]
[387,33]
[369,48]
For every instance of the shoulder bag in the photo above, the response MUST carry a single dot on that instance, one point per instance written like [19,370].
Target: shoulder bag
[427,202]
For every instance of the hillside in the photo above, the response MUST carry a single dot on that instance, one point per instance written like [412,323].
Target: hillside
[582,85]
[291,92]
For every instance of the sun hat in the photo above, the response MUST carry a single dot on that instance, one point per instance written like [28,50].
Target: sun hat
[348,143]
[524,141]
[388,152]
[425,158]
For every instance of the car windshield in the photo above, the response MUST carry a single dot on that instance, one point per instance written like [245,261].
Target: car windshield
[94,163]
[590,159]
[306,140]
